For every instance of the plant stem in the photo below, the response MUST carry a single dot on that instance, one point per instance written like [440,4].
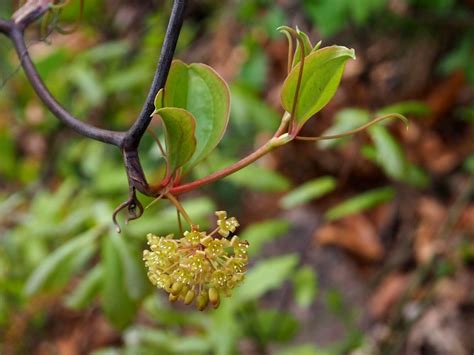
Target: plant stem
[266,148]
[179,207]
[134,134]
[283,125]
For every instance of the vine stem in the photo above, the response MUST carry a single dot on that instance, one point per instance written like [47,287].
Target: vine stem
[263,150]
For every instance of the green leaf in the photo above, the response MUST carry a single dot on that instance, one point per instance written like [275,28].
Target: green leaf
[58,267]
[258,234]
[304,349]
[119,308]
[468,164]
[224,318]
[273,326]
[146,340]
[159,100]
[344,120]
[305,286]
[390,155]
[86,291]
[309,191]
[248,110]
[322,74]
[180,140]
[200,90]
[259,178]
[360,202]
[136,283]
[416,176]
[265,276]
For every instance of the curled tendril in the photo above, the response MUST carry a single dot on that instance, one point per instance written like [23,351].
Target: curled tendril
[134,208]
[357,130]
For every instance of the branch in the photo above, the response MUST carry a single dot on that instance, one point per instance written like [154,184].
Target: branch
[129,140]
[135,133]
[111,137]
[5,27]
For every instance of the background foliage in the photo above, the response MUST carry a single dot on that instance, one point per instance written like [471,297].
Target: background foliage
[357,244]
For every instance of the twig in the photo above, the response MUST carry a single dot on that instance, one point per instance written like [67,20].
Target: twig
[135,133]
[85,129]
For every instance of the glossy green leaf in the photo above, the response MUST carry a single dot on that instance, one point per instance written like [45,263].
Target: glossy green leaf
[86,291]
[159,100]
[361,202]
[265,276]
[58,267]
[200,90]
[308,191]
[179,134]
[322,74]
[305,286]
[258,234]
[344,120]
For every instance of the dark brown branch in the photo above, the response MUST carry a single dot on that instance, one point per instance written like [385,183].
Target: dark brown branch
[5,27]
[128,141]
[111,137]
[136,132]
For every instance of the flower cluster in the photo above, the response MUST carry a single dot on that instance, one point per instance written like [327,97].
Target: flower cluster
[198,267]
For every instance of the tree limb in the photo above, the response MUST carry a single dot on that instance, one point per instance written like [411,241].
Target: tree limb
[83,128]
[134,134]
[5,27]
[129,140]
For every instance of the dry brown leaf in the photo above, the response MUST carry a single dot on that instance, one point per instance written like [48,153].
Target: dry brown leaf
[440,330]
[444,95]
[387,294]
[431,216]
[355,234]
[466,221]
[436,156]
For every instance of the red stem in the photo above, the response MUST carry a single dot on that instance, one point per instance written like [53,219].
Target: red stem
[266,148]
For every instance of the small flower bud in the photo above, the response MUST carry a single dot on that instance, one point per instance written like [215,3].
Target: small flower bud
[202,301]
[176,288]
[214,296]
[188,299]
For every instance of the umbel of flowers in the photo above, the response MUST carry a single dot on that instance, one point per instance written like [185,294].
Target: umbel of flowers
[198,267]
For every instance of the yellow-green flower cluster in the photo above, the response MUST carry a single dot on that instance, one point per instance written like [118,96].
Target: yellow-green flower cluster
[198,267]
